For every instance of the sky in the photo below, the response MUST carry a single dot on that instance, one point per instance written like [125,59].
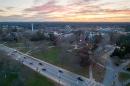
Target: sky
[65,10]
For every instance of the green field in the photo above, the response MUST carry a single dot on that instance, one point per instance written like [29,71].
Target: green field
[124,76]
[12,73]
[50,55]
[14,44]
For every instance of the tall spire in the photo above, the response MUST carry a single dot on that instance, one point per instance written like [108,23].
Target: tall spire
[32,27]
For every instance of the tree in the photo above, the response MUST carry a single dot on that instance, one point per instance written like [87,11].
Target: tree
[85,55]
[53,39]
[39,35]
[114,37]
[124,50]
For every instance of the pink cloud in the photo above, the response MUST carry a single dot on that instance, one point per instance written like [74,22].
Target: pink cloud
[76,8]
[50,6]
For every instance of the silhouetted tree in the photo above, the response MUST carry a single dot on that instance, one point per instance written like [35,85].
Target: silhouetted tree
[53,39]
[124,51]
[85,55]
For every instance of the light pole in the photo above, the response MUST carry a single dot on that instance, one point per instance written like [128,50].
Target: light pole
[59,72]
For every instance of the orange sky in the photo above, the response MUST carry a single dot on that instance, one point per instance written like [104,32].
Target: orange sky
[65,10]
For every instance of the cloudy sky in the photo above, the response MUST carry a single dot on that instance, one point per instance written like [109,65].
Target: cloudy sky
[65,10]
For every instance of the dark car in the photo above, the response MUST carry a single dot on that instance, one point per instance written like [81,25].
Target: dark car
[43,69]
[40,63]
[31,63]
[80,79]
[60,71]
[12,54]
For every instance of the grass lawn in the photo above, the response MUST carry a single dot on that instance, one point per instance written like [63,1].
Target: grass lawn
[24,50]
[14,44]
[38,80]
[124,76]
[7,79]
[50,56]
[20,46]
[34,79]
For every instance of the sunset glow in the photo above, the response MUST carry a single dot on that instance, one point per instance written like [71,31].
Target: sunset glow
[65,10]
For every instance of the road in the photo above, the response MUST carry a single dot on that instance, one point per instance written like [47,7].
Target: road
[53,72]
[113,71]
[110,73]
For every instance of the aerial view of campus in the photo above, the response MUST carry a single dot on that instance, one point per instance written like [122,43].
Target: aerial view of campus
[64,42]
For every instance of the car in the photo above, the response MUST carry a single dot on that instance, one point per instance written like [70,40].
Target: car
[31,63]
[12,54]
[43,69]
[80,79]
[60,71]
[40,63]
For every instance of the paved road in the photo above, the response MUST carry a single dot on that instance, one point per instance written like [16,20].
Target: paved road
[113,71]
[110,73]
[55,73]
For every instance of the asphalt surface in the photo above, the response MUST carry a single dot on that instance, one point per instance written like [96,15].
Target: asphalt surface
[53,72]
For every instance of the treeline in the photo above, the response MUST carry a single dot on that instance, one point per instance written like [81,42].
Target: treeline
[16,35]
[124,51]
